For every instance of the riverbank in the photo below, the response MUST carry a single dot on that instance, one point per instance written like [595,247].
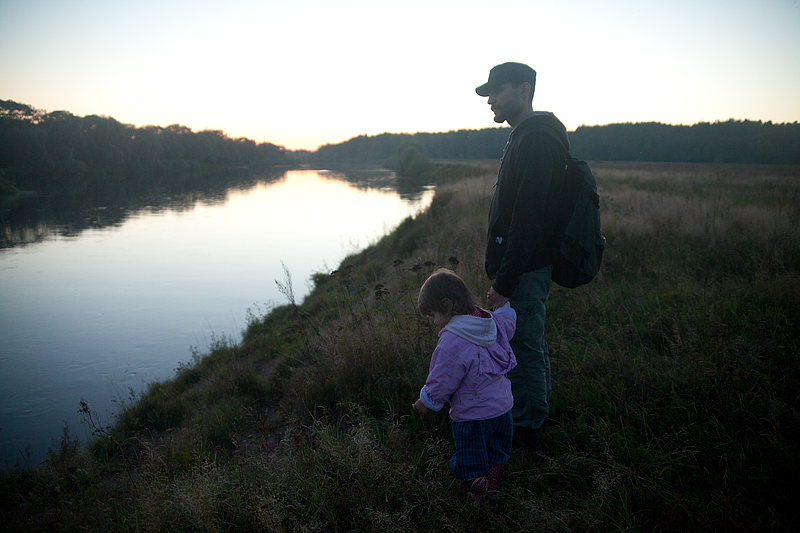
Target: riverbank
[674,404]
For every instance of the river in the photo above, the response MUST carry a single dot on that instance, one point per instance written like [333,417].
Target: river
[100,312]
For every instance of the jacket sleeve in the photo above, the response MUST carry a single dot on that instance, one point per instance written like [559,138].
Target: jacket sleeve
[445,376]
[427,402]
[506,319]
[534,167]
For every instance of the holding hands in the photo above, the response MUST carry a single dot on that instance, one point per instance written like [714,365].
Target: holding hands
[495,299]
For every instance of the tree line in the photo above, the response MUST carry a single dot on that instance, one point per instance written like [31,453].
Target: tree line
[99,157]
[732,141]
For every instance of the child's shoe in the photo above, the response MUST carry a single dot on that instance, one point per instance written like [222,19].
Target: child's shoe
[483,486]
[492,476]
[476,489]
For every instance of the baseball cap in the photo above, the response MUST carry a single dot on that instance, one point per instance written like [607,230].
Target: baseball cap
[513,72]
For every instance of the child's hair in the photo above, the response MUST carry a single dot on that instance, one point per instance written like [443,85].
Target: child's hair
[444,284]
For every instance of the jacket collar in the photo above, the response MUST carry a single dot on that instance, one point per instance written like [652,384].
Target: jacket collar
[479,331]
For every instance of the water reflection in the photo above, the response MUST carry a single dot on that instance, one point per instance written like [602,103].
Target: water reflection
[33,217]
[408,188]
[116,299]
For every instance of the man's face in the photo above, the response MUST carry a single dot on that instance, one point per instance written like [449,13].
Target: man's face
[506,102]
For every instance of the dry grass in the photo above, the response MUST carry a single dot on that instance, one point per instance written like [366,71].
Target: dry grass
[675,387]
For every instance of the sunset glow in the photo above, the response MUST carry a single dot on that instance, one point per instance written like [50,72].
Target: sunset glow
[311,73]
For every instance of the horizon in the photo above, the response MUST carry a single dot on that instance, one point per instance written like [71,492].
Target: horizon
[310,74]
[412,132]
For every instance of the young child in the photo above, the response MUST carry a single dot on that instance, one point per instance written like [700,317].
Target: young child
[468,370]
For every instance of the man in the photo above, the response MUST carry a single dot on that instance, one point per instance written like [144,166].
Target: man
[520,240]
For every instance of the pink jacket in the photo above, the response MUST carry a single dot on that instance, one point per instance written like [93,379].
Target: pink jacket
[469,366]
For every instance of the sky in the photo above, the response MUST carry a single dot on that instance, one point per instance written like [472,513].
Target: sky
[304,73]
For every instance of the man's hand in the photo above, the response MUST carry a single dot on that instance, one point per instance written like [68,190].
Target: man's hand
[419,406]
[496,301]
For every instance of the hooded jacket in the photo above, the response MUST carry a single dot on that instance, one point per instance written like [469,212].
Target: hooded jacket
[469,366]
[522,218]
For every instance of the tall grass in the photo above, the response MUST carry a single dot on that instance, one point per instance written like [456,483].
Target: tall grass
[675,403]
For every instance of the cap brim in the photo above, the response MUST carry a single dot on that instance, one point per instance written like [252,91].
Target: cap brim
[483,90]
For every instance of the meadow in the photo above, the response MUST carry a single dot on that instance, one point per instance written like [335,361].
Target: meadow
[675,377]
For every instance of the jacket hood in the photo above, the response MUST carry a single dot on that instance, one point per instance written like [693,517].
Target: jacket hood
[538,120]
[496,358]
[480,331]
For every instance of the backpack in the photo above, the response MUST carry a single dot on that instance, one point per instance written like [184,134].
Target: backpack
[579,243]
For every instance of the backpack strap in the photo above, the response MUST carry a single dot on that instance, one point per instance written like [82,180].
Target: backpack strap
[551,132]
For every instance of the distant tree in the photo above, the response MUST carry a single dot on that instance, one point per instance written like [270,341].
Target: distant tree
[58,151]
[16,111]
[722,142]
[731,141]
[410,160]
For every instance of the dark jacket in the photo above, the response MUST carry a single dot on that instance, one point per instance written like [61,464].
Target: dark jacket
[522,217]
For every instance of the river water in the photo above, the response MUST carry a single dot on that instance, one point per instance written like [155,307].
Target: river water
[102,311]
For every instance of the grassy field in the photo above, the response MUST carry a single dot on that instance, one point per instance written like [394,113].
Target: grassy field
[675,402]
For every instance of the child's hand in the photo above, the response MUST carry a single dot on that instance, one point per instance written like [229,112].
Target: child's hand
[419,406]
[495,300]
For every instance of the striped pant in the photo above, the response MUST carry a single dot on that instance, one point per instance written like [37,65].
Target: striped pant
[481,444]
